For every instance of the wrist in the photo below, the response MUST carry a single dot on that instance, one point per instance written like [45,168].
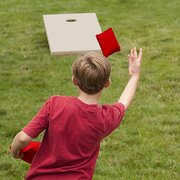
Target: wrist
[135,76]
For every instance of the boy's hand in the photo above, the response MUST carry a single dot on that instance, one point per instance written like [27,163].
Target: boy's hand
[16,155]
[134,70]
[134,61]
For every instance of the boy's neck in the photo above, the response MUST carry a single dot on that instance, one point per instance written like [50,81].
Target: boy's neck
[89,99]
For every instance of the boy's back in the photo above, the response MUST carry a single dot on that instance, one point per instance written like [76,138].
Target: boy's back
[76,125]
[71,142]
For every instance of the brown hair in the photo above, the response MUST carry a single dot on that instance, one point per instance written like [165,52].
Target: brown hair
[91,72]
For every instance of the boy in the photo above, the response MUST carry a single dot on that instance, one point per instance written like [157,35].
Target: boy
[75,126]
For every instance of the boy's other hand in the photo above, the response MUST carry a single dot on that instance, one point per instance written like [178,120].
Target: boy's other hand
[16,155]
[134,60]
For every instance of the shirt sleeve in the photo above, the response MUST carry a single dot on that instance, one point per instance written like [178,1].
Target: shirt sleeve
[39,122]
[113,116]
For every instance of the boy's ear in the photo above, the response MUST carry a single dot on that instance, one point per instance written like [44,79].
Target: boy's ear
[74,81]
[107,83]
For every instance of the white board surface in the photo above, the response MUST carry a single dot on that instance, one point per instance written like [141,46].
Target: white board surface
[72,33]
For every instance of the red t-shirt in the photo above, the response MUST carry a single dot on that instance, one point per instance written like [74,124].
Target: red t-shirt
[71,142]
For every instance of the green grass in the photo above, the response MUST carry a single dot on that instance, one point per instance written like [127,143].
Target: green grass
[147,144]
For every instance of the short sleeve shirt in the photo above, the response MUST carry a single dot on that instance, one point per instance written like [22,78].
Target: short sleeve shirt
[73,132]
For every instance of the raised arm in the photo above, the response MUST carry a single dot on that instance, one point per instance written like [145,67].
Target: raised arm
[134,60]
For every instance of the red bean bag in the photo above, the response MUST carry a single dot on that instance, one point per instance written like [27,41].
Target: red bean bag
[29,151]
[108,42]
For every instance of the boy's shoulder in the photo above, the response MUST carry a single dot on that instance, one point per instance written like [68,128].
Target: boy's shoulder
[55,98]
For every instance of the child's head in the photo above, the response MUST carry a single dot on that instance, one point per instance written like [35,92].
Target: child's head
[91,72]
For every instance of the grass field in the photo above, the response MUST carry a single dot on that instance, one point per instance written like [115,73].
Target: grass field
[147,144]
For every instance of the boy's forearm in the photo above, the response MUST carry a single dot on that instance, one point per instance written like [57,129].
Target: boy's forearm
[20,141]
[129,91]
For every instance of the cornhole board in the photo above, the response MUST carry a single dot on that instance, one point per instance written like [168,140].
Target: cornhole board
[72,33]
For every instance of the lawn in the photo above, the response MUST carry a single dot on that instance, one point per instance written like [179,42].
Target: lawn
[147,144]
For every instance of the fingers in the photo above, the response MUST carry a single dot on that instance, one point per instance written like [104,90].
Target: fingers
[132,53]
[129,62]
[140,54]
[135,52]
[21,155]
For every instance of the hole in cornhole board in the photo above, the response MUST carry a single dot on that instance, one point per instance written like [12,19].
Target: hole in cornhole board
[70,34]
[70,20]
